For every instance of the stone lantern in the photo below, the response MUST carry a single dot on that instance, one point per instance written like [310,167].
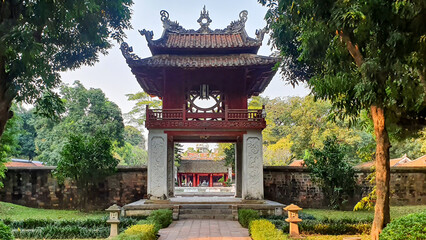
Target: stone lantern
[293,219]
[114,219]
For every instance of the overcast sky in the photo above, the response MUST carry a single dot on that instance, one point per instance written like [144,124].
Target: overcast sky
[113,76]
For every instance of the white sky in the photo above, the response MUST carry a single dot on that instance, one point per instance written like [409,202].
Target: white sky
[113,76]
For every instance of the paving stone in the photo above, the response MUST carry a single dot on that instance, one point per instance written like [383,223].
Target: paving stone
[196,229]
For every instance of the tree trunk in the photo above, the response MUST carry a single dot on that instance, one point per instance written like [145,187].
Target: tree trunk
[5,98]
[382,211]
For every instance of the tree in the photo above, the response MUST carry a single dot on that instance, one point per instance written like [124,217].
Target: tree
[330,169]
[87,111]
[8,145]
[87,160]
[295,124]
[360,55]
[38,39]
[133,136]
[27,134]
[137,115]
[178,150]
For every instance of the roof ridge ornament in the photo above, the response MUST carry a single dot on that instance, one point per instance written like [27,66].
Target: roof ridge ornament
[170,25]
[237,25]
[204,21]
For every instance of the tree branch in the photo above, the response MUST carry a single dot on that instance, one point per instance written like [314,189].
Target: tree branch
[353,49]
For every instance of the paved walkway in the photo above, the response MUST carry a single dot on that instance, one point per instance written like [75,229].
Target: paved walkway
[198,229]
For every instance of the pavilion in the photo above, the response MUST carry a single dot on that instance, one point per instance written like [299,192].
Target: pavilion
[188,66]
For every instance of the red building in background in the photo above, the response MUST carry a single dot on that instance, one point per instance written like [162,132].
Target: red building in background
[202,169]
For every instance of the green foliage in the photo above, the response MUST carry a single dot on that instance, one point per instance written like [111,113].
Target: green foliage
[368,202]
[5,232]
[388,35]
[295,124]
[130,155]
[59,229]
[326,226]
[229,151]
[87,111]
[40,39]
[178,150]
[86,160]
[245,216]
[264,230]
[137,115]
[329,168]
[139,232]
[162,217]
[133,136]
[410,227]
[27,135]
[227,183]
[55,232]
[8,145]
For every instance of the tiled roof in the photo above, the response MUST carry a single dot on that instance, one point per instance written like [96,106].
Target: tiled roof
[23,163]
[199,40]
[297,163]
[201,61]
[393,162]
[201,156]
[202,166]
[419,162]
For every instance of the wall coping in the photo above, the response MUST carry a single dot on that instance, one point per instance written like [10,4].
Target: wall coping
[357,170]
[50,168]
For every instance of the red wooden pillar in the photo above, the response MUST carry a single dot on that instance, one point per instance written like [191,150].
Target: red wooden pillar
[211,180]
[194,180]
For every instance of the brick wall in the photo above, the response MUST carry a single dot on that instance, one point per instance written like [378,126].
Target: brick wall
[294,185]
[36,187]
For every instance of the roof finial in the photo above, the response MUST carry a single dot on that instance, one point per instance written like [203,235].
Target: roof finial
[204,21]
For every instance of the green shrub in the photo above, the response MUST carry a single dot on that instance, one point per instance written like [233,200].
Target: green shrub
[139,232]
[264,230]
[57,232]
[5,232]
[410,227]
[245,216]
[163,217]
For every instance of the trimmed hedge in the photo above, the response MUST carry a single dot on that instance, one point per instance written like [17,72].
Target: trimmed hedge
[410,227]
[55,232]
[148,229]
[245,216]
[46,228]
[326,226]
[139,232]
[87,223]
[5,232]
[164,217]
[263,229]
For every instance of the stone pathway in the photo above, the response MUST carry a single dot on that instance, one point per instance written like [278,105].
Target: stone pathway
[199,229]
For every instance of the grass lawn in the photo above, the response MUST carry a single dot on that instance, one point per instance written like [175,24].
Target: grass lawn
[396,212]
[17,212]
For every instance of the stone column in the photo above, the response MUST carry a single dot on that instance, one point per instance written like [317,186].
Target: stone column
[157,165]
[170,168]
[238,167]
[252,181]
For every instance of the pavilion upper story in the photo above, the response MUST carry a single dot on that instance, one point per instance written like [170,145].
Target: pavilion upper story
[188,65]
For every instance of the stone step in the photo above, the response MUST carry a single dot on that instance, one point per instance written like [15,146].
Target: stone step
[206,216]
[206,211]
[205,206]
